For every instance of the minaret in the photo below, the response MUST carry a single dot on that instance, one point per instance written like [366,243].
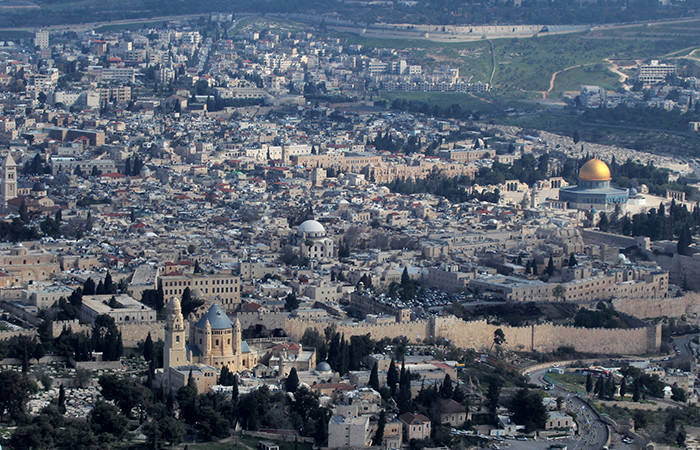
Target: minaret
[174,354]
[8,188]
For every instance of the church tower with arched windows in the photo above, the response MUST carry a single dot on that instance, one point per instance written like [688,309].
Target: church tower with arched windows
[212,343]
[175,352]
[8,186]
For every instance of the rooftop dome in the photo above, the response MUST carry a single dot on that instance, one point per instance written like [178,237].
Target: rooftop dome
[38,186]
[323,366]
[595,170]
[217,319]
[311,226]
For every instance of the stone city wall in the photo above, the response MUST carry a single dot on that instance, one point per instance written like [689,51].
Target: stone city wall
[132,333]
[479,335]
[663,307]
[269,320]
[610,239]
[7,334]
[682,270]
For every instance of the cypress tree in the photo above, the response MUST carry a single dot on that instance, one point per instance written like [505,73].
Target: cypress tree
[589,383]
[623,388]
[374,377]
[62,400]
[379,435]
[234,390]
[392,377]
[599,387]
[291,384]
[446,390]
[637,393]
[148,348]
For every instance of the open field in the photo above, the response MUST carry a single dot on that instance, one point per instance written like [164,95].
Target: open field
[131,26]
[14,35]
[626,135]
[246,443]
[572,79]
[485,103]
[528,64]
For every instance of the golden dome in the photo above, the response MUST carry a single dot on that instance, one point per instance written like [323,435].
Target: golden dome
[595,170]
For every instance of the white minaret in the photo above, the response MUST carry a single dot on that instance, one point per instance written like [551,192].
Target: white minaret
[8,187]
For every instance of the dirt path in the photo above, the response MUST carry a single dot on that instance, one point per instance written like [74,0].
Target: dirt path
[614,68]
[554,77]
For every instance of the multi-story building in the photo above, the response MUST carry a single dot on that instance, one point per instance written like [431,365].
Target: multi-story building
[654,72]
[41,39]
[223,288]
[349,432]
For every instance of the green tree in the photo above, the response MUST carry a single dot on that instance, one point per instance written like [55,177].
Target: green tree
[572,260]
[15,390]
[374,378]
[446,390]
[684,241]
[392,377]
[528,410]
[600,388]
[62,399]
[637,391]
[188,302]
[291,384]
[493,394]
[603,222]
[148,348]
[623,388]
[404,400]
[550,266]
[678,394]
[172,430]
[106,418]
[109,286]
[107,338]
[379,435]
[89,287]
[290,302]
[559,292]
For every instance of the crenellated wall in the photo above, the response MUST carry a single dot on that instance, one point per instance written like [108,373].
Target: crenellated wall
[479,335]
[664,307]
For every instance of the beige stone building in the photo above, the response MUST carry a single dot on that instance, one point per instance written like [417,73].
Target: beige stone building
[415,426]
[213,341]
[349,432]
[223,288]
[27,264]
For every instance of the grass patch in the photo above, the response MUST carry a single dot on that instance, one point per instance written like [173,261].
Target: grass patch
[527,64]
[570,382]
[484,102]
[571,80]
[247,442]
[135,26]
[14,35]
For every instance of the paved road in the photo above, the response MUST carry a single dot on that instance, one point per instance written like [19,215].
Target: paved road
[593,433]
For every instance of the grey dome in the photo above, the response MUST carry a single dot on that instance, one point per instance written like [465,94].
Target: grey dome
[217,319]
[311,226]
[38,186]
[323,366]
